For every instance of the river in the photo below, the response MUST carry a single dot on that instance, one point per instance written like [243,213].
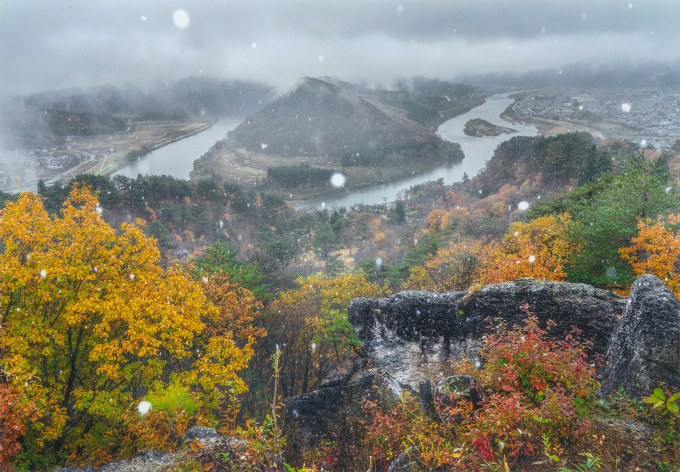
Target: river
[477,151]
[177,159]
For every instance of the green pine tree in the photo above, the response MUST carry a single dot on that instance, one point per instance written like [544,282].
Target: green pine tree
[608,220]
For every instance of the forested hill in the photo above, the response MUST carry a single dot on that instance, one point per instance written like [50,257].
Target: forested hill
[191,96]
[552,162]
[323,119]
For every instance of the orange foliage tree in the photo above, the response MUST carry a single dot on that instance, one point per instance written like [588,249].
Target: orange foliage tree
[655,250]
[91,324]
[539,248]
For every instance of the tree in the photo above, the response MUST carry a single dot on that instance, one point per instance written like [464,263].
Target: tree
[310,326]
[457,267]
[221,258]
[608,220]
[676,146]
[42,188]
[91,324]
[656,250]
[540,248]
[399,213]
[325,240]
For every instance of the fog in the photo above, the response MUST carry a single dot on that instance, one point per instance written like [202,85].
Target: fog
[52,44]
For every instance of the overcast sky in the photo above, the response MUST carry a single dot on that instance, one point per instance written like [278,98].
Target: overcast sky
[50,44]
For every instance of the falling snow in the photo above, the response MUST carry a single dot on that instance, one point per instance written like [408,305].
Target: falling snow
[338,180]
[181,19]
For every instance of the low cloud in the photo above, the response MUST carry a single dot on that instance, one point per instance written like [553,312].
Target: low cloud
[53,44]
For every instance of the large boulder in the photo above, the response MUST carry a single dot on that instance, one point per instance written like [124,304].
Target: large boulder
[645,346]
[410,334]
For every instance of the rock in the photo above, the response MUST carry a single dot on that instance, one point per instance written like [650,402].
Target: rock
[460,386]
[342,373]
[200,432]
[409,334]
[458,390]
[426,398]
[406,462]
[148,460]
[634,429]
[645,346]
[311,413]
[83,468]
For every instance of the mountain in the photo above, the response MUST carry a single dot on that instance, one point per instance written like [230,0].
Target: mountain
[190,97]
[37,128]
[323,119]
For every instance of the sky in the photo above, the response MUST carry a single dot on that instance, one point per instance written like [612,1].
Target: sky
[55,44]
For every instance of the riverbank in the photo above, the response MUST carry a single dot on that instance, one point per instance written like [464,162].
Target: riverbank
[105,155]
[457,110]
[248,168]
[115,162]
[477,151]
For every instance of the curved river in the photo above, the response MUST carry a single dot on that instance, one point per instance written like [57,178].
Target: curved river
[477,152]
[177,159]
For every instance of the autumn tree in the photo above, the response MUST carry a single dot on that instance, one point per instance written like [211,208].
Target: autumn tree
[539,248]
[310,326]
[455,267]
[91,324]
[656,250]
[434,219]
[608,218]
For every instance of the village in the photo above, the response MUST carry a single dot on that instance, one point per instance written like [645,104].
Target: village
[650,116]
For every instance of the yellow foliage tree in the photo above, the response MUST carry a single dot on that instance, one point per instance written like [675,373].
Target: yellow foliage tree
[456,217]
[539,248]
[434,219]
[656,250]
[91,324]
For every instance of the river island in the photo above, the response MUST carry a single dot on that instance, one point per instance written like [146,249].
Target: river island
[481,128]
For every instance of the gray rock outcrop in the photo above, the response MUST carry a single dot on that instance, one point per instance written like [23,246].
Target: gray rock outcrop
[148,460]
[409,335]
[645,346]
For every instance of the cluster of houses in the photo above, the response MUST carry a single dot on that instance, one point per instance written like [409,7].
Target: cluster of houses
[650,114]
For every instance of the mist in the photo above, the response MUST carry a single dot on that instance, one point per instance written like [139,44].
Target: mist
[55,44]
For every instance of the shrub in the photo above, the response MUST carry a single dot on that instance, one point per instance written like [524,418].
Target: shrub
[539,391]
